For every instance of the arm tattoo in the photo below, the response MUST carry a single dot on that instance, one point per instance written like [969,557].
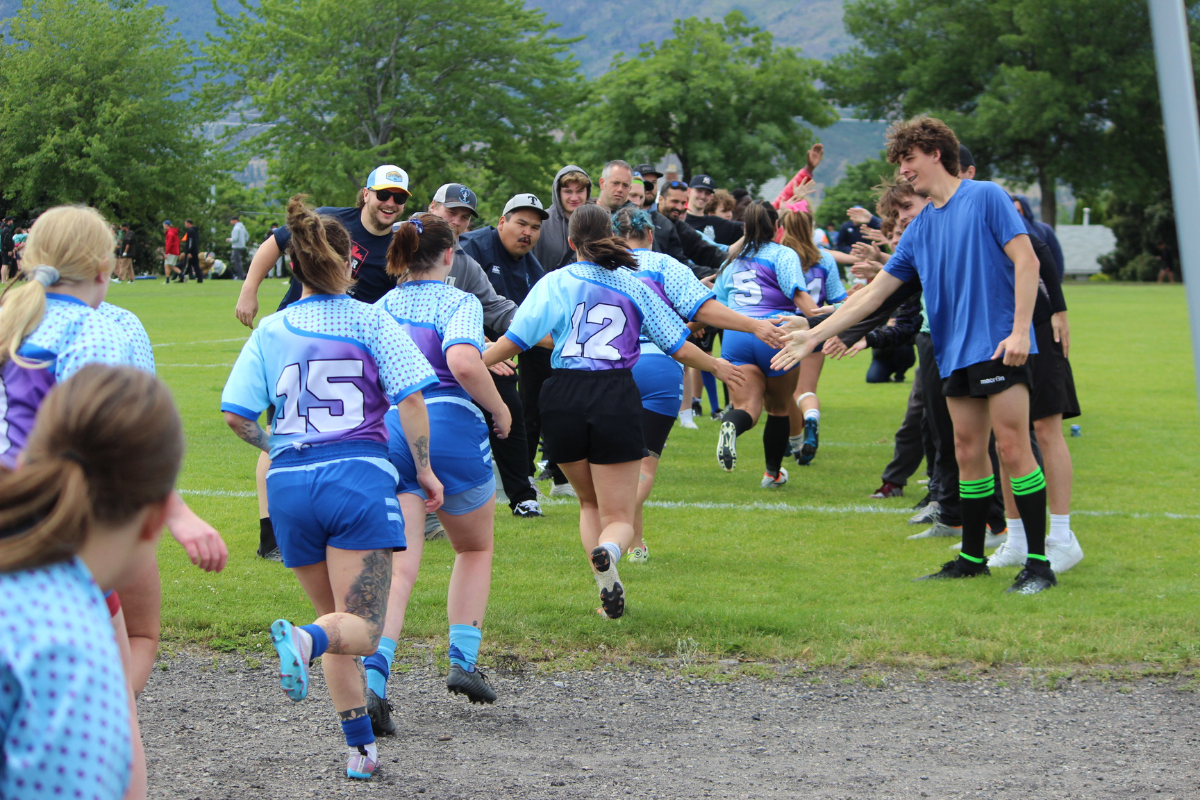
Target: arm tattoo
[250,432]
[368,594]
[421,445]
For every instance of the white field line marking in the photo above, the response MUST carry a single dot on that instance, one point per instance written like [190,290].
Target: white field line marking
[204,341]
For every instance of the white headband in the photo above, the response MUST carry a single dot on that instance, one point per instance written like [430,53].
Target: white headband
[44,274]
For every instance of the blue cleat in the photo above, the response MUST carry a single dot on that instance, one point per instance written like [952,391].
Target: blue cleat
[812,440]
[293,665]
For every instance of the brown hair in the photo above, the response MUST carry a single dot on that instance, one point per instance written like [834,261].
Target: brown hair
[591,231]
[720,201]
[417,244]
[798,235]
[890,193]
[320,248]
[576,177]
[107,442]
[761,222]
[927,134]
[887,226]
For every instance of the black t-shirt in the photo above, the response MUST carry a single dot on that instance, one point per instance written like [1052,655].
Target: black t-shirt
[721,230]
[193,239]
[130,242]
[368,255]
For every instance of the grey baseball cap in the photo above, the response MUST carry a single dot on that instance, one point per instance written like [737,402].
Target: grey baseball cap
[455,195]
[525,200]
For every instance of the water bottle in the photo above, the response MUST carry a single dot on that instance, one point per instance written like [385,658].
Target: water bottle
[1076,431]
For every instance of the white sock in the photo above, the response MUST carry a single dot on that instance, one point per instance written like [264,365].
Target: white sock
[813,413]
[372,752]
[796,442]
[1060,529]
[1016,535]
[685,415]
[614,551]
[306,642]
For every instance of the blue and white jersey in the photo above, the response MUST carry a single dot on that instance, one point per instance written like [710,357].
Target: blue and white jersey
[330,366]
[823,282]
[139,341]
[674,283]
[70,336]
[763,283]
[596,316]
[64,708]
[436,317]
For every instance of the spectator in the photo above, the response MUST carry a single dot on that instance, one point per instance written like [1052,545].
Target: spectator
[128,251]
[686,244]
[637,191]
[792,199]
[191,251]
[851,233]
[7,257]
[721,205]
[615,180]
[741,200]
[716,228]
[650,178]
[171,253]
[1043,231]
[700,191]
[238,240]
[572,188]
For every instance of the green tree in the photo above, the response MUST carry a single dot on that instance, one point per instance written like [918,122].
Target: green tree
[720,95]
[89,111]
[1041,92]
[444,88]
[854,189]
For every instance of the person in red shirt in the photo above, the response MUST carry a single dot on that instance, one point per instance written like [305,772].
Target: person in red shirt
[171,253]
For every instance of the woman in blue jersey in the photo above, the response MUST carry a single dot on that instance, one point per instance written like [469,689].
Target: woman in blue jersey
[591,408]
[763,280]
[330,367]
[822,288]
[446,324]
[658,376]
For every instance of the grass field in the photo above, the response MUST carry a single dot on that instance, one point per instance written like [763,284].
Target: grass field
[813,572]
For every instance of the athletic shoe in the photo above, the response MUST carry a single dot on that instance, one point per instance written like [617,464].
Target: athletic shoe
[697,409]
[639,555]
[360,764]
[812,437]
[888,490]
[612,593]
[528,508]
[685,419]
[727,447]
[1007,556]
[272,555]
[716,415]
[1037,576]
[990,541]
[1064,556]
[293,662]
[436,532]
[563,490]
[473,684]
[771,481]
[958,568]
[537,490]
[927,515]
[938,531]
[924,501]
[546,474]
[380,712]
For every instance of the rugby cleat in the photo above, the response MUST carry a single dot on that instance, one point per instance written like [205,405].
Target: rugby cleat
[888,490]
[380,712]
[1007,556]
[927,514]
[770,481]
[361,764]
[528,508]
[1064,556]
[612,593]
[991,541]
[1037,576]
[639,555]
[958,568]
[686,420]
[293,661]
[473,684]
[938,531]
[727,446]
[812,440]
[563,490]
[697,409]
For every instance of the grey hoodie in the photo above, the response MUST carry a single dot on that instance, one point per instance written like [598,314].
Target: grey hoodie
[551,249]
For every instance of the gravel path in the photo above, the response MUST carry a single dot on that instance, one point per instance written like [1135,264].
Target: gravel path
[217,728]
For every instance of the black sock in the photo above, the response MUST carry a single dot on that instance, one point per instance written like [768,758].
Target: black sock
[740,419]
[775,441]
[266,536]
[976,497]
[1030,494]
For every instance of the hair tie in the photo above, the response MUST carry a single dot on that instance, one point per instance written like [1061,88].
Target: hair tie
[417,224]
[44,274]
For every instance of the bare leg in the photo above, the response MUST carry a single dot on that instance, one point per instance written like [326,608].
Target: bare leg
[471,579]
[649,468]
[141,606]
[607,500]
[749,396]
[1056,456]
[405,564]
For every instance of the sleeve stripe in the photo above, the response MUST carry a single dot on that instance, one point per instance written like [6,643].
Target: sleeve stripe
[678,344]
[241,411]
[512,337]
[446,345]
[413,389]
[696,308]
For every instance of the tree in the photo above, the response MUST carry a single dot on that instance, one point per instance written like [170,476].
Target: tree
[1041,92]
[444,88]
[89,111]
[854,189]
[719,95]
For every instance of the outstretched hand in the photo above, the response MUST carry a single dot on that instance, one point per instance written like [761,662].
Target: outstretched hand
[799,345]
[815,154]
[729,374]
[770,335]
[791,324]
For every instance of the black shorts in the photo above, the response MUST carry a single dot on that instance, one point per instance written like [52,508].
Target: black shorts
[1053,389]
[593,415]
[656,428]
[293,294]
[705,342]
[985,378]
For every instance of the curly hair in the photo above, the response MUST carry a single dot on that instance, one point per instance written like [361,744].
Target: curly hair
[927,134]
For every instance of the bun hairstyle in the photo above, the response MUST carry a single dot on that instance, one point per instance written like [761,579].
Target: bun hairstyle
[761,221]
[107,443]
[417,245]
[632,223]
[798,235]
[591,229]
[320,248]
[67,244]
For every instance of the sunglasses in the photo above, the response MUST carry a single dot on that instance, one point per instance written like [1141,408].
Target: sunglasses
[387,194]
[675,185]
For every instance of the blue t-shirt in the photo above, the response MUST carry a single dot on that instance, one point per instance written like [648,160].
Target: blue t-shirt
[823,282]
[437,317]
[968,281]
[70,336]
[368,255]
[64,705]
[763,283]
[330,366]
[141,350]
[674,283]
[596,316]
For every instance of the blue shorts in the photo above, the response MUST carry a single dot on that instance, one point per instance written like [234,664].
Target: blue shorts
[659,378]
[459,451]
[334,495]
[739,347]
[463,502]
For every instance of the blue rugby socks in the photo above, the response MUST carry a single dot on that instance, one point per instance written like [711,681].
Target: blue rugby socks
[464,645]
[379,666]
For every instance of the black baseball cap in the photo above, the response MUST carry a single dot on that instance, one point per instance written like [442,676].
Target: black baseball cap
[702,182]
[965,159]
[647,170]
[455,195]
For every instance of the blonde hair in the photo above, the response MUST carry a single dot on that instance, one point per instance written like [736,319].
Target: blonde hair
[798,235]
[77,242]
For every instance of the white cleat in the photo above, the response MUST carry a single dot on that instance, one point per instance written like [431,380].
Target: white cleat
[1007,556]
[990,541]
[1064,556]
[770,481]
[685,419]
[563,490]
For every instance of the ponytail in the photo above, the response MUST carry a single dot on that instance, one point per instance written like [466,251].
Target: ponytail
[591,231]
[761,220]
[632,223]
[798,235]
[417,244]
[320,248]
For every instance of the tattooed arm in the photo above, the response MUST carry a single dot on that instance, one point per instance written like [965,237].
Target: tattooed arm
[248,430]
[414,420]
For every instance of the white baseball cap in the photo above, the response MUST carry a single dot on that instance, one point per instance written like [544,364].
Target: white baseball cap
[525,200]
[389,176]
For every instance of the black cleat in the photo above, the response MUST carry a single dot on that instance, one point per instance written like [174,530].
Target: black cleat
[380,712]
[612,593]
[473,684]
[1036,577]
[697,409]
[958,568]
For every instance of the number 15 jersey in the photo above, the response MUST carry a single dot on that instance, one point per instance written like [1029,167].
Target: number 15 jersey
[330,366]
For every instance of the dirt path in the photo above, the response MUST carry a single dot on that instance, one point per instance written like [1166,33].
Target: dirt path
[218,729]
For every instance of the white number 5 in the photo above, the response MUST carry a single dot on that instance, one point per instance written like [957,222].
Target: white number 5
[749,293]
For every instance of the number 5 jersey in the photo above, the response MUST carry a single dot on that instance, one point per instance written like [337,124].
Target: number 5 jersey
[330,367]
[762,283]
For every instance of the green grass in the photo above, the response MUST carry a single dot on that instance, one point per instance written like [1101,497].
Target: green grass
[825,587]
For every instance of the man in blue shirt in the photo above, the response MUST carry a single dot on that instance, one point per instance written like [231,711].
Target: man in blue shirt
[979,273]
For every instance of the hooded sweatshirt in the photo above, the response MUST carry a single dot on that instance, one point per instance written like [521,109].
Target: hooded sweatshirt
[1045,233]
[551,249]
